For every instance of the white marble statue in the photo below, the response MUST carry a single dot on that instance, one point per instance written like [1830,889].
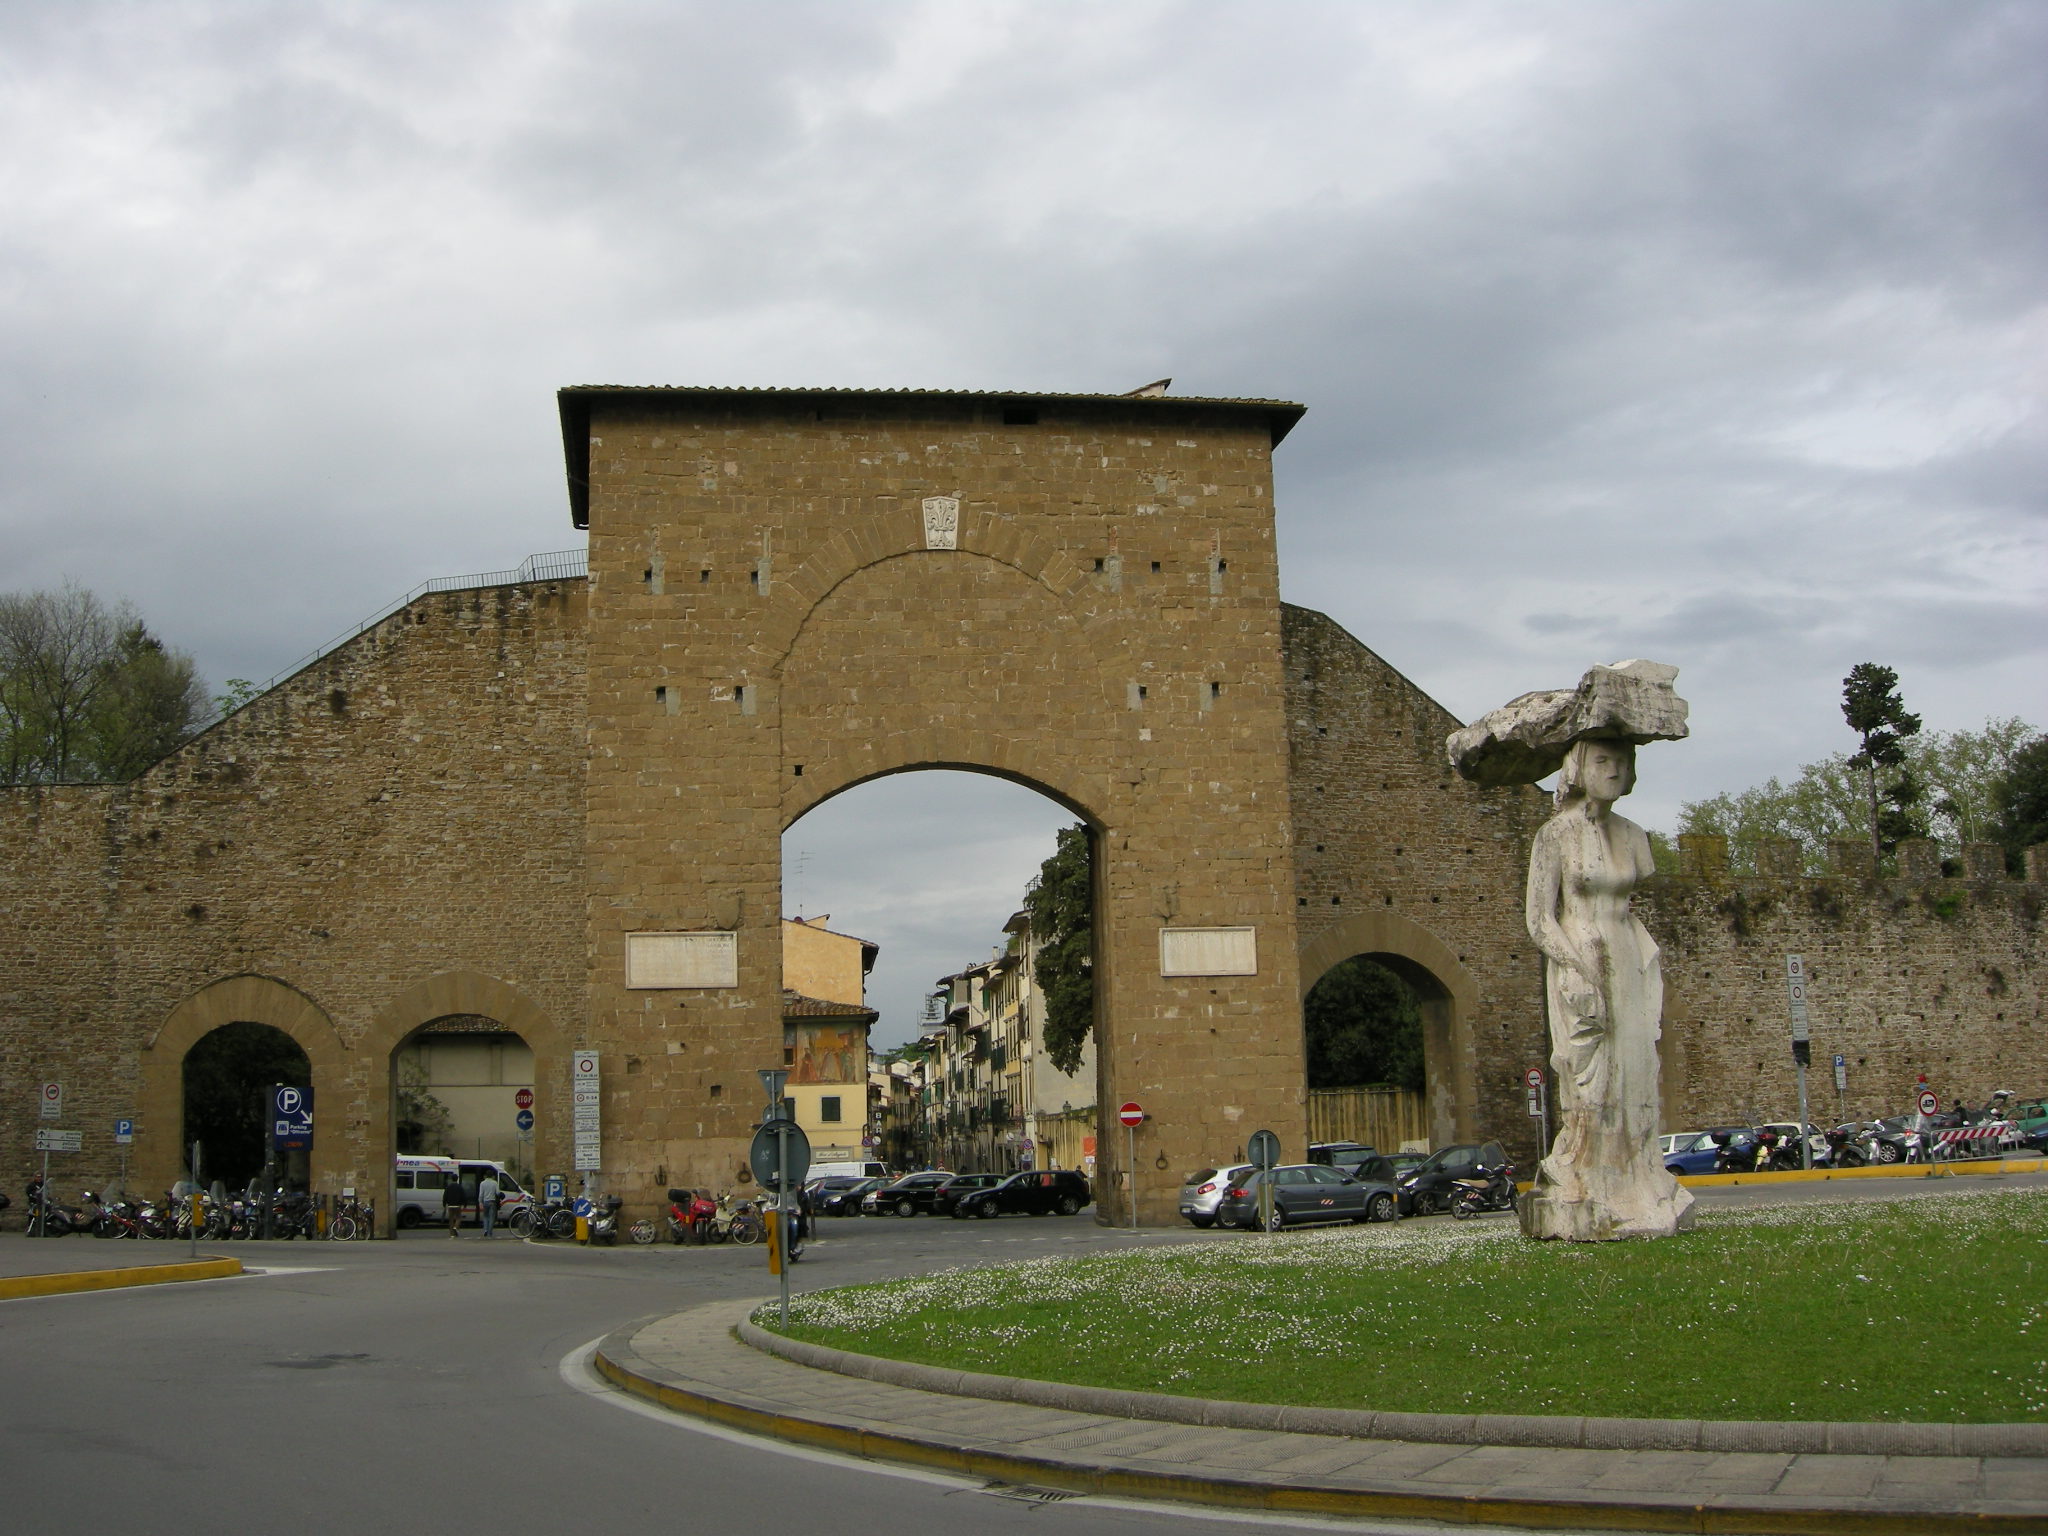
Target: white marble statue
[1603,1178]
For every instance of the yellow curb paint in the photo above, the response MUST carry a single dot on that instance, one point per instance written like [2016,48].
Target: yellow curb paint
[1561,1513]
[15,1287]
[1879,1171]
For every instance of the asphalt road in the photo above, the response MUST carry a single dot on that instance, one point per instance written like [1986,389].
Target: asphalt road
[429,1384]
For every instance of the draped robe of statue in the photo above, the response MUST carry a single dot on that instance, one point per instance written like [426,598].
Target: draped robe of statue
[1603,1178]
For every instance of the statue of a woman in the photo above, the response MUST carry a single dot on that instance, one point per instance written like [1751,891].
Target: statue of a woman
[1603,1178]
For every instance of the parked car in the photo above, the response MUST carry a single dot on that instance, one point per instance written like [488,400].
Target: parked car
[1689,1152]
[839,1195]
[1042,1192]
[1340,1154]
[1203,1191]
[1307,1192]
[1430,1185]
[906,1197]
[948,1194]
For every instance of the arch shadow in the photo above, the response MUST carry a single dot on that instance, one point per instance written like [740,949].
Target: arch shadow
[1446,991]
[253,999]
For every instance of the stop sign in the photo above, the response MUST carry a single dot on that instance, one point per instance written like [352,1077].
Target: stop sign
[1131,1114]
[523,1098]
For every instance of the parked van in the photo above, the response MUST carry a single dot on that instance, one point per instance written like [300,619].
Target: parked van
[421,1181]
[867,1170]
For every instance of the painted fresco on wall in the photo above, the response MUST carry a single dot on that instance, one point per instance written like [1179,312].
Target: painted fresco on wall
[830,1053]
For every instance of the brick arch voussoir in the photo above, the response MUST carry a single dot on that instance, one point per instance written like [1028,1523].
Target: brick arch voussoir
[798,594]
[1387,933]
[1081,790]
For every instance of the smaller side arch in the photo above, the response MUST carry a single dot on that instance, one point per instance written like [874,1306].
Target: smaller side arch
[1448,1051]
[437,997]
[160,1111]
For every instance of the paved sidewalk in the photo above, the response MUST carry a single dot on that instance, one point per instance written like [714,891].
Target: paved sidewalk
[694,1363]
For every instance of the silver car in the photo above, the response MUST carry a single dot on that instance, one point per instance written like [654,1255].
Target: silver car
[1203,1191]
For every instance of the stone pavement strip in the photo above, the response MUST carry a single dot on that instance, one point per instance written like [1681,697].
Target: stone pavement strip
[695,1363]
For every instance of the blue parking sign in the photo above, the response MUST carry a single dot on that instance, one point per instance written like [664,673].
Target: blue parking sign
[291,1120]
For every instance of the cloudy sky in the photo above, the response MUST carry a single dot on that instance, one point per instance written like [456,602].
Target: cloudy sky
[1714,333]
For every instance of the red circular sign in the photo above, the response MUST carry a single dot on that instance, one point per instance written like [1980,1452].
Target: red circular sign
[1533,1077]
[523,1098]
[1131,1114]
[1929,1104]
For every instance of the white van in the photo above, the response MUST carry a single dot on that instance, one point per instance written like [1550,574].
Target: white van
[867,1170]
[419,1182]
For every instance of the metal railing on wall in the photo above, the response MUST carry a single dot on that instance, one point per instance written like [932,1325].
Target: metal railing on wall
[556,565]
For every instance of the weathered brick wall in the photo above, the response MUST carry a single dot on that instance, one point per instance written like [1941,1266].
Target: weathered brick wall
[1934,976]
[395,831]
[1395,855]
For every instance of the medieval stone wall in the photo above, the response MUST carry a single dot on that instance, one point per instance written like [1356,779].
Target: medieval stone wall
[392,835]
[1397,856]
[1906,977]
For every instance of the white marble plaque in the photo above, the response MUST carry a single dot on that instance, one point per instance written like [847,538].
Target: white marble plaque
[942,522]
[1208,952]
[677,960]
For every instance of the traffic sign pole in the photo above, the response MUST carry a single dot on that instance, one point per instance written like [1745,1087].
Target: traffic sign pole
[1133,1115]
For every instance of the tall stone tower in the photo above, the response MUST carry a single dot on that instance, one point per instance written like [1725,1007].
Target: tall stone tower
[795,591]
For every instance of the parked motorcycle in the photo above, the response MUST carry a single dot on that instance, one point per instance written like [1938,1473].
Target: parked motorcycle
[603,1219]
[1492,1190]
[1842,1150]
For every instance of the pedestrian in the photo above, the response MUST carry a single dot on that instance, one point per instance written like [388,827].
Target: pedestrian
[451,1205]
[487,1201]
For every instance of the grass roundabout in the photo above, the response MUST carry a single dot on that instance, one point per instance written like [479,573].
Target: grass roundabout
[1915,1310]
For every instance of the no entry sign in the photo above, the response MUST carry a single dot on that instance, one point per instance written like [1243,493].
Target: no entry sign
[1132,1114]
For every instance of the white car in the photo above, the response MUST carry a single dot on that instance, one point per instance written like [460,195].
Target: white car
[1203,1191]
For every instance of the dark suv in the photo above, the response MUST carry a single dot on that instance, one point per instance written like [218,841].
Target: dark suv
[1041,1192]
[907,1196]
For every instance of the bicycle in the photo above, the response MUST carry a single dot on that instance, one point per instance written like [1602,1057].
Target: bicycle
[352,1220]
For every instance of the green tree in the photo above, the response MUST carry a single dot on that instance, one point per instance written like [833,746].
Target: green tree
[2020,817]
[1961,772]
[1875,712]
[1363,1029]
[1061,907]
[87,693]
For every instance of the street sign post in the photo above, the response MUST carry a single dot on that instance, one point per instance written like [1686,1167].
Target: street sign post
[780,1156]
[584,1124]
[59,1141]
[524,1119]
[1929,1104]
[523,1099]
[1264,1150]
[1132,1114]
[1802,1044]
[1539,1108]
[1841,1082]
[52,1101]
[124,1133]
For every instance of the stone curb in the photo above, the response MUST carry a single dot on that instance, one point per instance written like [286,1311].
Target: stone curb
[1587,1509]
[1586,1434]
[1977,1168]
[15,1287]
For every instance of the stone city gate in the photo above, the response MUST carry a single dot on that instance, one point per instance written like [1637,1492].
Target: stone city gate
[794,592]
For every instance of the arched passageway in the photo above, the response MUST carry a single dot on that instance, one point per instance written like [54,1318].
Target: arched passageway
[230,1076]
[907,927]
[1443,997]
